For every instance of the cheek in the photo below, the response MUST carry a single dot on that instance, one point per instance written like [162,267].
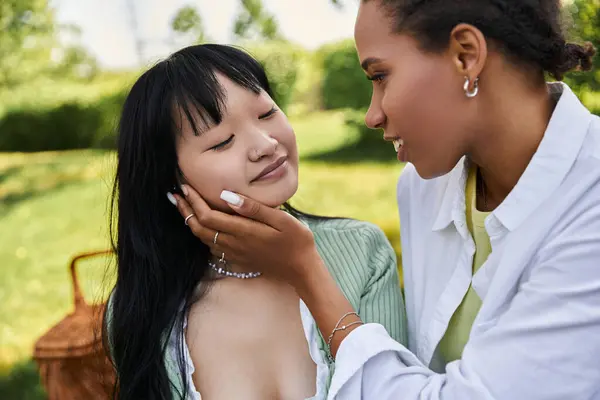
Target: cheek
[210,174]
[426,109]
[422,105]
[286,137]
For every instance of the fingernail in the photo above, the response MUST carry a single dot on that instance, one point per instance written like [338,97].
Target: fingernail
[231,198]
[171,198]
[184,189]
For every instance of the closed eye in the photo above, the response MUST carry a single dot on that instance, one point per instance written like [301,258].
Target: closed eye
[223,144]
[269,113]
[376,77]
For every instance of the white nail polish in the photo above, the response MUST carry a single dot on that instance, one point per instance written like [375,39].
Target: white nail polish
[231,198]
[171,198]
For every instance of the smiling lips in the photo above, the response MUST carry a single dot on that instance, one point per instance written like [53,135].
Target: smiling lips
[398,147]
[397,144]
[273,171]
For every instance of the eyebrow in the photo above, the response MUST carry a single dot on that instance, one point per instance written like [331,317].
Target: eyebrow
[368,61]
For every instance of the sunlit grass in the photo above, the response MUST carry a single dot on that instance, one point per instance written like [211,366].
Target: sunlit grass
[53,206]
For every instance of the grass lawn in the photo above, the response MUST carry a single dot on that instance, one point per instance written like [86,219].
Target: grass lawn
[54,205]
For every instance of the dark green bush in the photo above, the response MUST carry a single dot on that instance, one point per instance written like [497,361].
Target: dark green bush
[66,126]
[110,106]
[344,82]
[366,143]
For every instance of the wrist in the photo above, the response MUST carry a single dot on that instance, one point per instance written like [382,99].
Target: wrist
[328,305]
[311,276]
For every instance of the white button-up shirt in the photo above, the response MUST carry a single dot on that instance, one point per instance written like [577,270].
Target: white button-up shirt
[537,334]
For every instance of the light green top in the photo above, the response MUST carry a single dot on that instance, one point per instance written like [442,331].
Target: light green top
[363,263]
[459,328]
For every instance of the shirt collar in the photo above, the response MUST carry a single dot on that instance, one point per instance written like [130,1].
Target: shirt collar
[550,164]
[453,203]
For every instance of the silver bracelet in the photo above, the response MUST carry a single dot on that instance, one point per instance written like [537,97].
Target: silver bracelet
[338,328]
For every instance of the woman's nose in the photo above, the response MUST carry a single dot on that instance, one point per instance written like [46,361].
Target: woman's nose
[375,117]
[264,145]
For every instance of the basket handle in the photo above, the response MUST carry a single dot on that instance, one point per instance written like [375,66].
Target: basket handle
[78,298]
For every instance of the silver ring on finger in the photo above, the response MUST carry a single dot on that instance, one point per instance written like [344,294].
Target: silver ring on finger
[215,238]
[188,218]
[222,260]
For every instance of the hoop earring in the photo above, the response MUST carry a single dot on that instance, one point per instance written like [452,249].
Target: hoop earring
[468,92]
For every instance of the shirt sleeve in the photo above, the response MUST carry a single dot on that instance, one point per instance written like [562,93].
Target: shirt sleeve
[107,326]
[545,345]
[382,300]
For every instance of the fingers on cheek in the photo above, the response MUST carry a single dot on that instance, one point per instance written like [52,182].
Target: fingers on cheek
[219,249]
[201,233]
[223,241]
[206,219]
[196,229]
[179,206]
[183,207]
[233,247]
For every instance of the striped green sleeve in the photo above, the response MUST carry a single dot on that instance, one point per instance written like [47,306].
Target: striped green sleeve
[381,301]
[107,326]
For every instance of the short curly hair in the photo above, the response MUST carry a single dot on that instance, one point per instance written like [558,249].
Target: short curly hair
[528,31]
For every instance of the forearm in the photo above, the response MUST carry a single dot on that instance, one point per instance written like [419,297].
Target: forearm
[326,303]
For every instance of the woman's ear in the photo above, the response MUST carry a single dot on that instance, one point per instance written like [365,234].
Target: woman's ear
[469,51]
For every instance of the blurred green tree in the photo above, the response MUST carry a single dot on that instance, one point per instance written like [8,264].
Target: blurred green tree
[188,22]
[27,36]
[29,45]
[74,61]
[255,22]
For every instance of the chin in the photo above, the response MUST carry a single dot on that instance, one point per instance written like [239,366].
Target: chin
[433,171]
[274,195]
[427,172]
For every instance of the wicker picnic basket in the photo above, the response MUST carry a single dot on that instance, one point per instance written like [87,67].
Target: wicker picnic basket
[71,360]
